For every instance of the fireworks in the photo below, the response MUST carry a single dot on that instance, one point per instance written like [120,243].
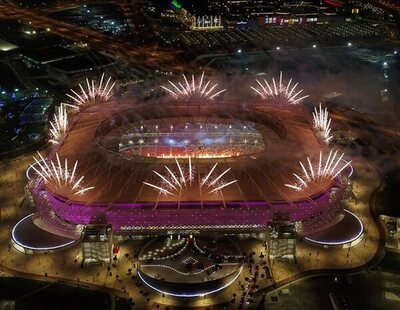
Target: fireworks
[172,183]
[59,125]
[324,170]
[59,175]
[322,123]
[92,94]
[281,90]
[193,90]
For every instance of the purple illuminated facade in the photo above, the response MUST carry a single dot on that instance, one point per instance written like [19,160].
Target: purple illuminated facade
[311,215]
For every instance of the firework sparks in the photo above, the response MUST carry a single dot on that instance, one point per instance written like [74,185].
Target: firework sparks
[172,183]
[322,123]
[59,125]
[324,170]
[192,89]
[91,93]
[59,175]
[279,91]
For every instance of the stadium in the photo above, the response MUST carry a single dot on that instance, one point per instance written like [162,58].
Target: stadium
[190,165]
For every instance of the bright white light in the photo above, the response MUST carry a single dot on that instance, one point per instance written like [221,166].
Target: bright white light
[322,170]
[195,294]
[280,91]
[59,125]
[93,93]
[278,48]
[314,46]
[59,175]
[26,246]
[174,182]
[239,51]
[322,123]
[192,89]
[349,44]
[344,241]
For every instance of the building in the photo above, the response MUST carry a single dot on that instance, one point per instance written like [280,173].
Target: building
[206,22]
[243,9]
[281,237]
[97,244]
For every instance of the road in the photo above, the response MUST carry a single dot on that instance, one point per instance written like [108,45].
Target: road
[117,48]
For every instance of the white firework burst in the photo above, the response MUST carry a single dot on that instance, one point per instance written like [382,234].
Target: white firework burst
[279,91]
[326,169]
[59,174]
[216,184]
[322,123]
[172,183]
[91,93]
[59,125]
[193,90]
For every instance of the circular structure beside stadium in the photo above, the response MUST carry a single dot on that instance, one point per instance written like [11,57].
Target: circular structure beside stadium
[346,233]
[27,237]
[188,268]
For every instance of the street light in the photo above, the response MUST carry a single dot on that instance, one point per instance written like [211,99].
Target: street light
[314,46]
[278,48]
[239,51]
[349,44]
